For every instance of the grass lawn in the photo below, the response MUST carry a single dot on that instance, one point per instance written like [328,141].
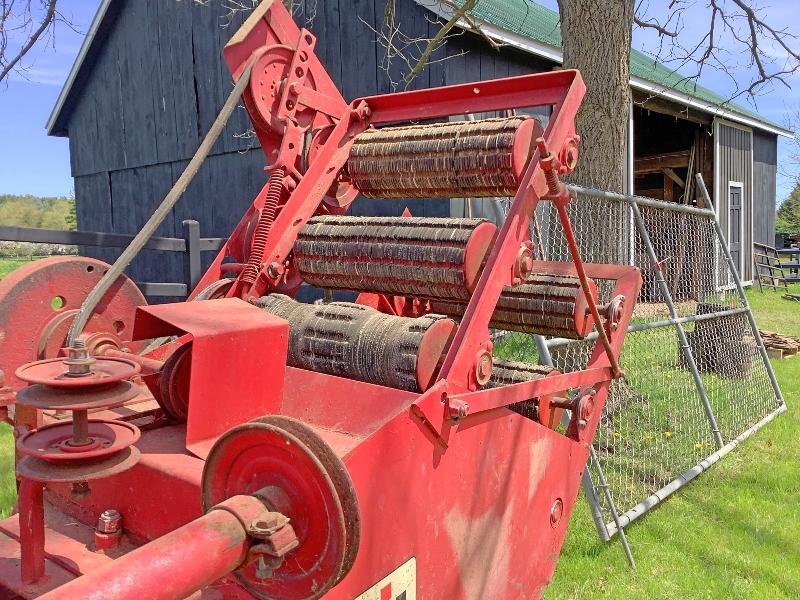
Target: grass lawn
[733,533]
[9,264]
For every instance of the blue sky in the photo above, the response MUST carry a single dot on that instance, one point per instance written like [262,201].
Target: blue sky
[33,163]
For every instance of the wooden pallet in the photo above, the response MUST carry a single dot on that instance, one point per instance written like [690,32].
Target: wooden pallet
[768,269]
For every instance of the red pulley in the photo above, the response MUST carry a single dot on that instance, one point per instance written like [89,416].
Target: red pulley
[39,301]
[289,467]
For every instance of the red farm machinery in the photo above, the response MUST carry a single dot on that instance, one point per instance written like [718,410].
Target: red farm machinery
[243,444]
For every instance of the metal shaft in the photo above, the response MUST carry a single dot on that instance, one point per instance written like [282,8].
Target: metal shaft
[172,566]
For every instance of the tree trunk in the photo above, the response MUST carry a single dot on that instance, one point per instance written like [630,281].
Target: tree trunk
[597,40]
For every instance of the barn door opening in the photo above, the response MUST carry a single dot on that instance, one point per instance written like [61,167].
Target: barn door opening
[735,223]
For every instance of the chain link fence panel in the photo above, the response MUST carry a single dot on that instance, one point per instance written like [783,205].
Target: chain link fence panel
[680,407]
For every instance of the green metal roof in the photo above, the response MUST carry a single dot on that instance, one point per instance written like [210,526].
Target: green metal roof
[542,25]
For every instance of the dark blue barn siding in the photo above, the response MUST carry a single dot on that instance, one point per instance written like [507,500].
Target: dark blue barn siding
[765,161]
[158,81]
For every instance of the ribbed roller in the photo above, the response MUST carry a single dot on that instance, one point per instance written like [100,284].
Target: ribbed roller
[404,256]
[358,342]
[508,372]
[553,305]
[480,158]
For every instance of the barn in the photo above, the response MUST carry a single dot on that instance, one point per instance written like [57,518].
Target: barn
[149,80]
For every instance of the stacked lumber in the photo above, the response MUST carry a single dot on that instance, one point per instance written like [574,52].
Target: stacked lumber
[778,345]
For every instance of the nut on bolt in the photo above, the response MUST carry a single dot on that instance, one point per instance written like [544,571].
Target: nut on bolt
[458,409]
[275,533]
[523,264]
[483,367]
[78,360]
[110,521]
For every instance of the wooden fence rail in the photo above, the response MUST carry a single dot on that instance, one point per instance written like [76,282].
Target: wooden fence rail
[191,245]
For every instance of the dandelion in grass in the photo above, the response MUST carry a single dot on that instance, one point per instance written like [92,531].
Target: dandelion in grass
[667,434]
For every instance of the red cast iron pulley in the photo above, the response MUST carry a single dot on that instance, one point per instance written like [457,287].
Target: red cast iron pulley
[300,476]
[39,300]
[83,470]
[95,397]
[52,442]
[173,384]
[53,373]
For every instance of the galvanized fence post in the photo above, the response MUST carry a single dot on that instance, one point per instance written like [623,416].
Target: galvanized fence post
[586,480]
[684,342]
[701,184]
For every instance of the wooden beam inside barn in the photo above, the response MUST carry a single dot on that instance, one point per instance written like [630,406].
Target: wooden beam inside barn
[658,162]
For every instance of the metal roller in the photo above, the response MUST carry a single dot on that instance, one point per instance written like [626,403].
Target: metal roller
[358,342]
[508,372]
[482,158]
[404,256]
[552,305]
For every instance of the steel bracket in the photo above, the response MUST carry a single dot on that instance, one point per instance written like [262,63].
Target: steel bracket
[238,362]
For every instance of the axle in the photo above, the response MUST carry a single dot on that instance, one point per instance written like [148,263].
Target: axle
[177,564]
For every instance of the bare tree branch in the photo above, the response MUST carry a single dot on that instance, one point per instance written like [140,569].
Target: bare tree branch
[25,20]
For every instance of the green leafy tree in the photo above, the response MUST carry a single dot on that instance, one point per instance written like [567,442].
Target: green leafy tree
[787,218]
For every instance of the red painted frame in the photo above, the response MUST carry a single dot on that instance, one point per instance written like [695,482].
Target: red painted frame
[436,477]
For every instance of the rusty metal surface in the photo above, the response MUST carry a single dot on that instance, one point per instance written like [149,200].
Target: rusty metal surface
[39,300]
[407,256]
[36,469]
[463,159]
[173,384]
[350,340]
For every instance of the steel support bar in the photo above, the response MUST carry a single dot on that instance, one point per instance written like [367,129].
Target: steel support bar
[639,200]
[555,342]
[175,565]
[611,505]
[586,481]
[659,276]
[740,289]
[673,486]
[31,529]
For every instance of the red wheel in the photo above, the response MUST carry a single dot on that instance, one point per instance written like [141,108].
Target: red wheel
[52,442]
[53,373]
[39,300]
[45,397]
[297,474]
[84,470]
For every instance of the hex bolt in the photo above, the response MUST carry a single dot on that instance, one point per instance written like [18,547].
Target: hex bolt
[109,521]
[266,524]
[483,367]
[458,409]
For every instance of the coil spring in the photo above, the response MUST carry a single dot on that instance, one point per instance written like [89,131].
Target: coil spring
[261,234]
